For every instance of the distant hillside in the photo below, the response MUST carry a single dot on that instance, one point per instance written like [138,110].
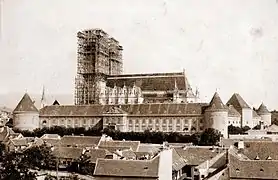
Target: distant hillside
[10,100]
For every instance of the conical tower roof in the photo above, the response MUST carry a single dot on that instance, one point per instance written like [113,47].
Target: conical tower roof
[216,104]
[56,103]
[26,105]
[262,109]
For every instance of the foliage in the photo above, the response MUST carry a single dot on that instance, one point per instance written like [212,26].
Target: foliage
[40,157]
[17,165]
[82,165]
[209,137]
[61,131]
[49,177]
[258,127]
[144,137]
[237,130]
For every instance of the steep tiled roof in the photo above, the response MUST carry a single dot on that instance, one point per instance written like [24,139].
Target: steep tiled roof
[178,162]
[255,115]
[26,105]
[150,82]
[262,149]
[127,168]
[150,148]
[233,112]
[216,103]
[80,141]
[67,152]
[135,109]
[110,144]
[22,141]
[5,133]
[196,155]
[252,169]
[94,154]
[129,154]
[237,101]
[262,110]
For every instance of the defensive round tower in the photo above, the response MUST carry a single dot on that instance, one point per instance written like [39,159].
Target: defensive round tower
[264,114]
[26,115]
[216,115]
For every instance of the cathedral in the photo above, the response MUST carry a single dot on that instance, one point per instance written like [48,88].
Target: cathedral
[100,79]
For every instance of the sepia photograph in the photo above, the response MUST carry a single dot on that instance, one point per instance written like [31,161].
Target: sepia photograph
[138,90]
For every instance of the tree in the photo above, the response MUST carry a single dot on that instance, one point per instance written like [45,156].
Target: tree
[14,166]
[237,130]
[18,165]
[82,165]
[258,127]
[209,137]
[40,157]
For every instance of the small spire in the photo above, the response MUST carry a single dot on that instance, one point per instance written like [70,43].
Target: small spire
[183,70]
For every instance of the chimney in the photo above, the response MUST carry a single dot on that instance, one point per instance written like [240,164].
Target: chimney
[241,145]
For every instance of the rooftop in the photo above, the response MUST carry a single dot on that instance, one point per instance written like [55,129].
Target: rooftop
[120,144]
[157,109]
[26,105]
[127,168]
[150,82]
[197,155]
[237,101]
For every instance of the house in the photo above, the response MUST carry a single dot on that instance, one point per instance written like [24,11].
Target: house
[80,141]
[195,156]
[66,155]
[157,168]
[178,163]
[7,133]
[113,145]
[20,144]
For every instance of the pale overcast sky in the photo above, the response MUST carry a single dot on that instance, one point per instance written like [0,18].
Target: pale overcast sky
[229,45]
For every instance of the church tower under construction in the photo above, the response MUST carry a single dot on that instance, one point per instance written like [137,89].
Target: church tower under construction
[98,56]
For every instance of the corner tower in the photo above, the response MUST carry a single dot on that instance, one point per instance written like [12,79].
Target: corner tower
[264,114]
[26,115]
[216,115]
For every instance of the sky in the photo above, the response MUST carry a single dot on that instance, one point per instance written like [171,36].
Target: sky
[229,46]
